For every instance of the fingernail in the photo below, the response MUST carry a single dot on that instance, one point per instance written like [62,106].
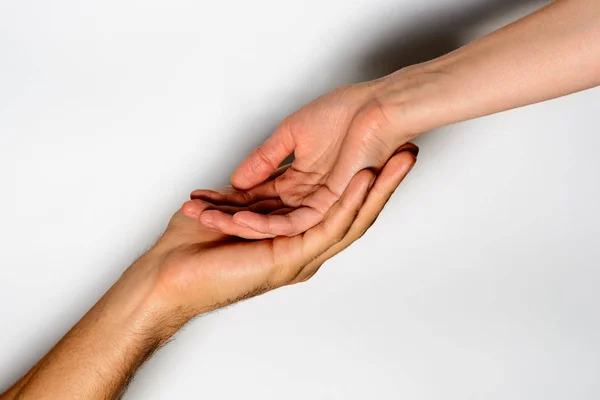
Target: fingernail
[192,214]
[190,211]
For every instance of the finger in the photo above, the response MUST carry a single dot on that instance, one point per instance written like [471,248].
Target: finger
[340,217]
[283,258]
[261,192]
[220,195]
[223,219]
[299,220]
[223,223]
[218,220]
[290,224]
[193,208]
[388,180]
[281,211]
[292,259]
[410,147]
[261,207]
[263,161]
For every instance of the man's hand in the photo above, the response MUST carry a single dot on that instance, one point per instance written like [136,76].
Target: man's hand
[192,270]
[203,269]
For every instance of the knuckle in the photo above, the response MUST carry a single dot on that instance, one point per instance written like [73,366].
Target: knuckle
[338,237]
[262,159]
[376,113]
[374,127]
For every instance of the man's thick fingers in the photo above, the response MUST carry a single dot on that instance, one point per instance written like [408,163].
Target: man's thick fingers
[340,217]
[265,160]
[392,174]
[388,181]
[331,230]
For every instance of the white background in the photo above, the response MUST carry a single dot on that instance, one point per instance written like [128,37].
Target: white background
[479,281]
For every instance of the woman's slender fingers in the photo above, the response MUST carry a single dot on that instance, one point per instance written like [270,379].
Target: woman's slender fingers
[290,224]
[265,190]
[260,207]
[229,196]
[220,218]
[223,223]
[263,161]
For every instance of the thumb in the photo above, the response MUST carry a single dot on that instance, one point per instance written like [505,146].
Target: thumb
[263,161]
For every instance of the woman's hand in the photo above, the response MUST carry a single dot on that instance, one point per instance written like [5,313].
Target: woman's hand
[332,138]
[550,53]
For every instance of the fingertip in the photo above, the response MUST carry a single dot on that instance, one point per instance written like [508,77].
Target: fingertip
[393,173]
[244,218]
[357,189]
[363,180]
[406,160]
[251,172]
[209,217]
[239,180]
[410,147]
[191,209]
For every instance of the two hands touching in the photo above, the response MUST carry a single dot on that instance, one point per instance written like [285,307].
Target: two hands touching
[203,269]
[348,162]
[332,138]
[351,151]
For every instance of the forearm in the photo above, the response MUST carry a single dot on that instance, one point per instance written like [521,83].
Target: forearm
[96,359]
[550,53]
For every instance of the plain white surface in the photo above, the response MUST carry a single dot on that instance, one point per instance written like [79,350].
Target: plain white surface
[480,280]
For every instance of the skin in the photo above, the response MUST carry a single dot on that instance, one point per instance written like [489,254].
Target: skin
[550,53]
[339,141]
[193,270]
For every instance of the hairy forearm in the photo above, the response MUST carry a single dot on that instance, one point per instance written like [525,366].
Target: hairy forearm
[96,359]
[550,53]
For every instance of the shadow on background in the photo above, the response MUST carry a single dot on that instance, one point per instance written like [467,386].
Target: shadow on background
[439,32]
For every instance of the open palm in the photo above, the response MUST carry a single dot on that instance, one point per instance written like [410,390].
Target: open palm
[332,138]
[205,269]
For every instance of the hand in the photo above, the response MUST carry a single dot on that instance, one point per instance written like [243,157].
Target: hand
[360,126]
[200,269]
[332,138]
[191,270]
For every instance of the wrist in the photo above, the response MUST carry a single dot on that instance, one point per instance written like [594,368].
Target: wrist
[108,344]
[419,98]
[141,301]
